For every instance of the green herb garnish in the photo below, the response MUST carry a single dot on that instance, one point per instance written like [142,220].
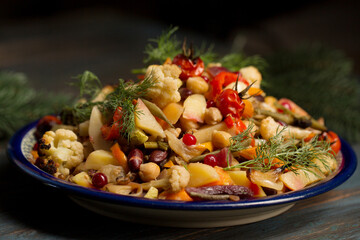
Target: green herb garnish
[235,61]
[293,154]
[166,45]
[123,95]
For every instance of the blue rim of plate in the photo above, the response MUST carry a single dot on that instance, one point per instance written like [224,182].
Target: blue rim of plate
[16,156]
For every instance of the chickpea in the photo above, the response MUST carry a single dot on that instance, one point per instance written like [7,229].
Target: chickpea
[188,124]
[149,171]
[197,85]
[212,116]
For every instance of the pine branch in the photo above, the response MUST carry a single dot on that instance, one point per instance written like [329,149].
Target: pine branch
[319,79]
[21,104]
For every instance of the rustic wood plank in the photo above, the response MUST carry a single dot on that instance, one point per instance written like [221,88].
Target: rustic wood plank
[50,53]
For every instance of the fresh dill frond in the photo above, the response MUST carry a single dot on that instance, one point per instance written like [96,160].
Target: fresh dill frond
[123,97]
[242,140]
[77,113]
[293,154]
[206,53]
[89,85]
[168,46]
[162,47]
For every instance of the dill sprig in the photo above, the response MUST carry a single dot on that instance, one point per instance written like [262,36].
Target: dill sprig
[293,154]
[122,96]
[235,61]
[168,46]
[242,140]
[89,85]
[160,48]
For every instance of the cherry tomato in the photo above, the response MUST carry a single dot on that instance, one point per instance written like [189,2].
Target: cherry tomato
[333,139]
[221,80]
[235,122]
[112,131]
[229,103]
[189,67]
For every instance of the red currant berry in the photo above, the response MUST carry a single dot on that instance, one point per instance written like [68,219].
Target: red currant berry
[99,180]
[211,160]
[189,139]
[205,78]
[210,103]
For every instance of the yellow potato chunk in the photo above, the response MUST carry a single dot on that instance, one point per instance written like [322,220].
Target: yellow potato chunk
[173,112]
[100,158]
[82,179]
[201,174]
[240,178]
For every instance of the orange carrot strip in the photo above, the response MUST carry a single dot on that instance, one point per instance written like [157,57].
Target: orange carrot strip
[181,195]
[225,178]
[120,156]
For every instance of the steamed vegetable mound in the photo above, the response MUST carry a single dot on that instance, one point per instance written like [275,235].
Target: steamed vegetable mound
[186,131]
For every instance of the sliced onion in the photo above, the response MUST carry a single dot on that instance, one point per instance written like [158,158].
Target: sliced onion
[269,179]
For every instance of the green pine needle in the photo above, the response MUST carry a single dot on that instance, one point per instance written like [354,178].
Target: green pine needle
[319,79]
[21,104]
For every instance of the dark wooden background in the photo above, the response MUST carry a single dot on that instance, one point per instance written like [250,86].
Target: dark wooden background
[52,41]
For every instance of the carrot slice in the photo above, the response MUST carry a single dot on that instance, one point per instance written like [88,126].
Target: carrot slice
[248,110]
[225,178]
[120,156]
[181,195]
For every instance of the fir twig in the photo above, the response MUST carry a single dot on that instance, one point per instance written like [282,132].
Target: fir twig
[319,79]
[20,103]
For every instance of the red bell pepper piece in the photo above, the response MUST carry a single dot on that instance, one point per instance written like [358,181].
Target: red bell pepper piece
[112,131]
[333,139]
[189,67]
[223,79]
[229,103]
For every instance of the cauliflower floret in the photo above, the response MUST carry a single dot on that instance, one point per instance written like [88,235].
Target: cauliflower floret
[252,74]
[63,148]
[179,178]
[269,128]
[176,179]
[166,86]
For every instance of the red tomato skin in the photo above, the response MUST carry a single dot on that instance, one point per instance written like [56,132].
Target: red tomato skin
[229,103]
[189,67]
[112,131]
[223,79]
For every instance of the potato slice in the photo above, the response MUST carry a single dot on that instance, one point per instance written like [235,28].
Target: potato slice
[95,134]
[100,158]
[201,174]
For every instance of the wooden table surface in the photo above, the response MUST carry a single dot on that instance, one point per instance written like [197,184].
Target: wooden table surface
[52,51]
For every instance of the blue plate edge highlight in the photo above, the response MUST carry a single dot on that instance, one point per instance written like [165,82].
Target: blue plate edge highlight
[16,157]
